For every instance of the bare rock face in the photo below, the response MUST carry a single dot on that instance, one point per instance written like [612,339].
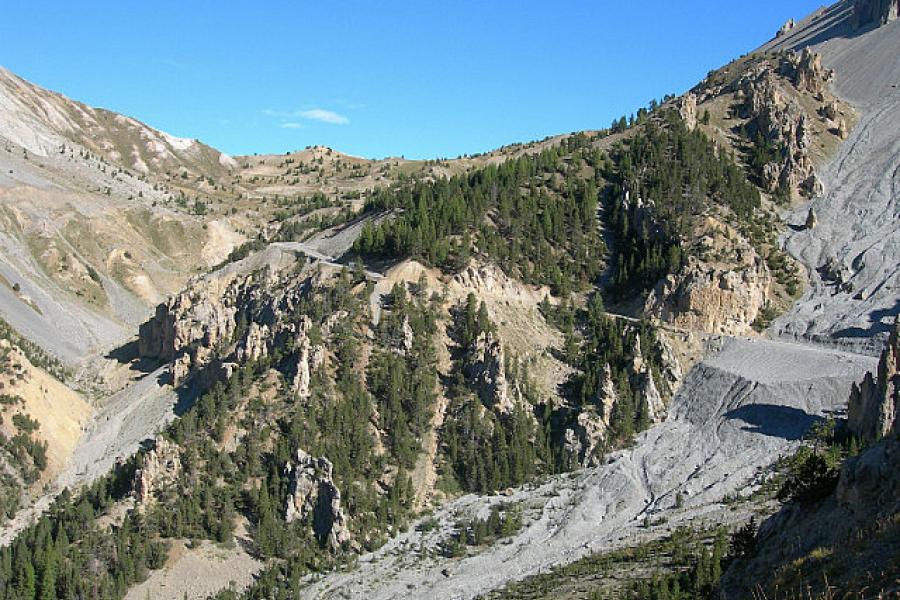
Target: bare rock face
[254,345]
[783,122]
[649,392]
[715,297]
[487,368]
[687,108]
[233,320]
[194,317]
[160,467]
[672,372]
[304,368]
[880,12]
[408,335]
[313,494]
[585,436]
[872,409]
[806,72]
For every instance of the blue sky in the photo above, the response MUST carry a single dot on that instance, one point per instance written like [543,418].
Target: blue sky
[418,78]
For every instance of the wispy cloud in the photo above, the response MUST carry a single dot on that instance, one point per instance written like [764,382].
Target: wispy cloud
[312,114]
[324,116]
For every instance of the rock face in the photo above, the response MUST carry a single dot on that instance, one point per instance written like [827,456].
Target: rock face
[714,297]
[656,408]
[872,409]
[783,122]
[194,316]
[806,72]
[217,323]
[313,494]
[587,432]
[687,108]
[487,368]
[304,367]
[880,12]
[160,467]
[585,436]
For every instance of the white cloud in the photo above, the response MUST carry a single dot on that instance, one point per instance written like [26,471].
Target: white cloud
[324,116]
[289,118]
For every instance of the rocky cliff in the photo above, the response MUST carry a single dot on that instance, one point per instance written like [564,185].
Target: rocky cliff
[721,289]
[588,432]
[227,319]
[486,366]
[872,409]
[312,494]
[782,122]
[158,468]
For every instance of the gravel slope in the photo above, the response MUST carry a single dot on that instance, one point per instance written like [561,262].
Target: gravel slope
[858,214]
[52,319]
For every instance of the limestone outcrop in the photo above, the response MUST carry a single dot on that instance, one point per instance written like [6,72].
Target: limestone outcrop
[872,408]
[220,321]
[687,108]
[712,296]
[589,425]
[486,366]
[159,467]
[811,219]
[313,495]
[304,362]
[786,28]
[805,71]
[783,123]
[585,436]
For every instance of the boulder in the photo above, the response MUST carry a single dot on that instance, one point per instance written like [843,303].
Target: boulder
[811,219]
